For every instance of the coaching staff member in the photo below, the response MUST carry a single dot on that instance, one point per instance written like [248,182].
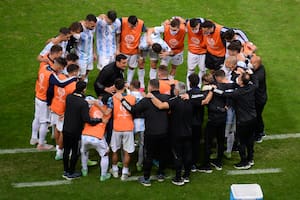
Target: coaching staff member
[76,114]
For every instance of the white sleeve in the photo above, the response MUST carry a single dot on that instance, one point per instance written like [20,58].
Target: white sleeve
[46,49]
[159,29]
[118,26]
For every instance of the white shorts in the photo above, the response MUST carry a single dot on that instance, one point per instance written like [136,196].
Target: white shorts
[84,66]
[90,142]
[41,112]
[132,60]
[139,125]
[125,139]
[104,60]
[196,59]
[175,60]
[57,120]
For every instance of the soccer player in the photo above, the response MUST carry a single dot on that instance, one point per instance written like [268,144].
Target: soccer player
[215,44]
[93,138]
[156,48]
[75,28]
[173,33]
[196,48]
[166,86]
[47,75]
[76,115]
[122,134]
[58,105]
[131,31]
[61,39]
[108,31]
[85,46]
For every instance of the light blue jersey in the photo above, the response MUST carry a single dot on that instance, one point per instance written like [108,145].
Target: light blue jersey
[106,41]
[155,39]
[85,45]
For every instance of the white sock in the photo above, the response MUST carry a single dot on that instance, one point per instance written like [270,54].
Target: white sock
[130,73]
[141,74]
[115,168]
[57,147]
[43,133]
[104,165]
[152,74]
[35,129]
[84,159]
[125,170]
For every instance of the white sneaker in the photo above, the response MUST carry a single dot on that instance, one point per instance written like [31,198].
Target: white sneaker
[124,177]
[44,146]
[115,174]
[34,141]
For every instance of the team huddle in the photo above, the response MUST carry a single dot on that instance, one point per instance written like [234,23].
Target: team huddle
[167,121]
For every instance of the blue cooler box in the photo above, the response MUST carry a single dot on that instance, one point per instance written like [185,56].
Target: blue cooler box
[245,192]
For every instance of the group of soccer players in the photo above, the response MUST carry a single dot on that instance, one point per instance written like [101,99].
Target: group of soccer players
[168,120]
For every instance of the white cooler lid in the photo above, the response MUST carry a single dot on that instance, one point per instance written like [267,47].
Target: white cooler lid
[246,191]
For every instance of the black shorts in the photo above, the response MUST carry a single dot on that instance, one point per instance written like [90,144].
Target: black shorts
[213,62]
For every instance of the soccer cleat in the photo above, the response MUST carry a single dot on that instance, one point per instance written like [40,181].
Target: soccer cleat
[242,165]
[178,181]
[115,174]
[34,141]
[44,146]
[65,175]
[144,182]
[216,164]
[251,163]
[205,169]
[139,167]
[91,163]
[105,177]
[84,172]
[227,155]
[124,177]
[160,178]
[58,157]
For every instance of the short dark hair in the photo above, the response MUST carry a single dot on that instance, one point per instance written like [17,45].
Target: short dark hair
[175,23]
[119,83]
[194,80]
[229,34]
[72,67]
[154,83]
[133,20]
[112,15]
[91,17]
[219,73]
[163,69]
[194,22]
[156,47]
[72,57]
[245,78]
[76,26]
[61,61]
[135,84]
[120,57]
[207,24]
[64,31]
[55,49]
[80,86]
[235,45]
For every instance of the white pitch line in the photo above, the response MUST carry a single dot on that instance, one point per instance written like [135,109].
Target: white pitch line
[41,184]
[152,178]
[282,136]
[254,171]
[25,150]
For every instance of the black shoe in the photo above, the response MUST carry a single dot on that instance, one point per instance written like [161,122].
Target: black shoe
[242,165]
[160,177]
[74,175]
[216,164]
[186,179]
[194,168]
[205,169]
[178,181]
[259,139]
[65,175]
[251,163]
